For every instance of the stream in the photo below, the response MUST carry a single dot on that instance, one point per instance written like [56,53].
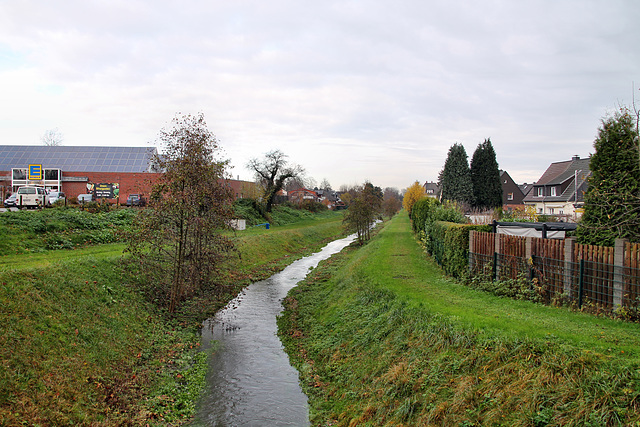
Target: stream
[250,381]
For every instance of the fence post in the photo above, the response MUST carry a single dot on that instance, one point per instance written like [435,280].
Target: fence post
[496,256]
[528,255]
[471,250]
[569,265]
[580,283]
[494,273]
[618,272]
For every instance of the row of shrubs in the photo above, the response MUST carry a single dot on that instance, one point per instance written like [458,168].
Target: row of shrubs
[443,230]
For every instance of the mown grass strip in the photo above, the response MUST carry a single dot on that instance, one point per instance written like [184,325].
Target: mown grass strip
[418,281]
[382,338]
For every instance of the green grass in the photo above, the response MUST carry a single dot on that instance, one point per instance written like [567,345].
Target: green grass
[79,346]
[36,231]
[425,285]
[69,338]
[47,258]
[382,338]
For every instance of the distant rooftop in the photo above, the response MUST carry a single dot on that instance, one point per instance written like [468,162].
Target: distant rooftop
[77,159]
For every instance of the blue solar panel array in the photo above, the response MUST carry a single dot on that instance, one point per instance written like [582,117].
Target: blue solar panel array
[77,159]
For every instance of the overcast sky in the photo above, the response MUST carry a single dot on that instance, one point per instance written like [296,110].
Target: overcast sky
[351,90]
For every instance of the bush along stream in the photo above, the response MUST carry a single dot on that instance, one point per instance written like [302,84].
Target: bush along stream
[80,344]
[381,337]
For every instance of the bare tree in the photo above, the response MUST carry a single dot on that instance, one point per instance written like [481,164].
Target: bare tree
[295,183]
[325,185]
[272,172]
[391,201]
[52,138]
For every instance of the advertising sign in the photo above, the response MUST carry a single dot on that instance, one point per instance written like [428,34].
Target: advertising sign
[106,190]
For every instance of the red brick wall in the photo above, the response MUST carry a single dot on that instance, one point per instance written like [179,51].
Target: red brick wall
[130,183]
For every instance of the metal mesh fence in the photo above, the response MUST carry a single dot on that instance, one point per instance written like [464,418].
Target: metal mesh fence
[603,285]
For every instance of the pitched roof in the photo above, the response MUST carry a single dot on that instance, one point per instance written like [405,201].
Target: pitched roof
[563,171]
[557,174]
[433,186]
[77,158]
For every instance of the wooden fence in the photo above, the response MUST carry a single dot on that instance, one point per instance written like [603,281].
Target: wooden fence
[563,269]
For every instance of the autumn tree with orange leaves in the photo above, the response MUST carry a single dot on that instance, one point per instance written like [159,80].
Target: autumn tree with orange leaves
[414,193]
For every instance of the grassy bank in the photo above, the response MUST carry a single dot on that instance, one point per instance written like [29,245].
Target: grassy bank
[382,338]
[78,345]
[39,231]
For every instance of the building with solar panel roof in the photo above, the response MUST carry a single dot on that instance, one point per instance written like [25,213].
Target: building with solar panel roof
[115,171]
[111,173]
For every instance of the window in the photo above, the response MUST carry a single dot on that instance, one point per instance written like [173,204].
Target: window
[19,174]
[510,196]
[550,211]
[553,191]
[51,174]
[540,191]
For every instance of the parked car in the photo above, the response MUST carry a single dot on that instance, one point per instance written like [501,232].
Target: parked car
[31,196]
[82,198]
[136,200]
[10,202]
[55,196]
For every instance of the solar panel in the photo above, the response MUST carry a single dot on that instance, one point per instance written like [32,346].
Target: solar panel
[77,158]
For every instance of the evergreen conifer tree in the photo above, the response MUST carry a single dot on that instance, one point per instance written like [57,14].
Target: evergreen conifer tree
[485,177]
[455,177]
[612,202]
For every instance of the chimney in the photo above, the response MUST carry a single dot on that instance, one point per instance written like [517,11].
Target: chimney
[575,157]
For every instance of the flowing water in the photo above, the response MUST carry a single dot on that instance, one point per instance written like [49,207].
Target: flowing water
[250,381]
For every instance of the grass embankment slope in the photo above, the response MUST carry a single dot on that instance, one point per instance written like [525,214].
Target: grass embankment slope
[380,337]
[79,346]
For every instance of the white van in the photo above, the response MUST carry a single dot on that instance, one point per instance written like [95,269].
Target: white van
[31,196]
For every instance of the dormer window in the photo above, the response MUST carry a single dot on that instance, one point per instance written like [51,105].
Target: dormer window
[540,191]
[553,192]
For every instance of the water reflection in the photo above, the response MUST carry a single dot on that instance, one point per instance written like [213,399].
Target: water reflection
[250,381]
